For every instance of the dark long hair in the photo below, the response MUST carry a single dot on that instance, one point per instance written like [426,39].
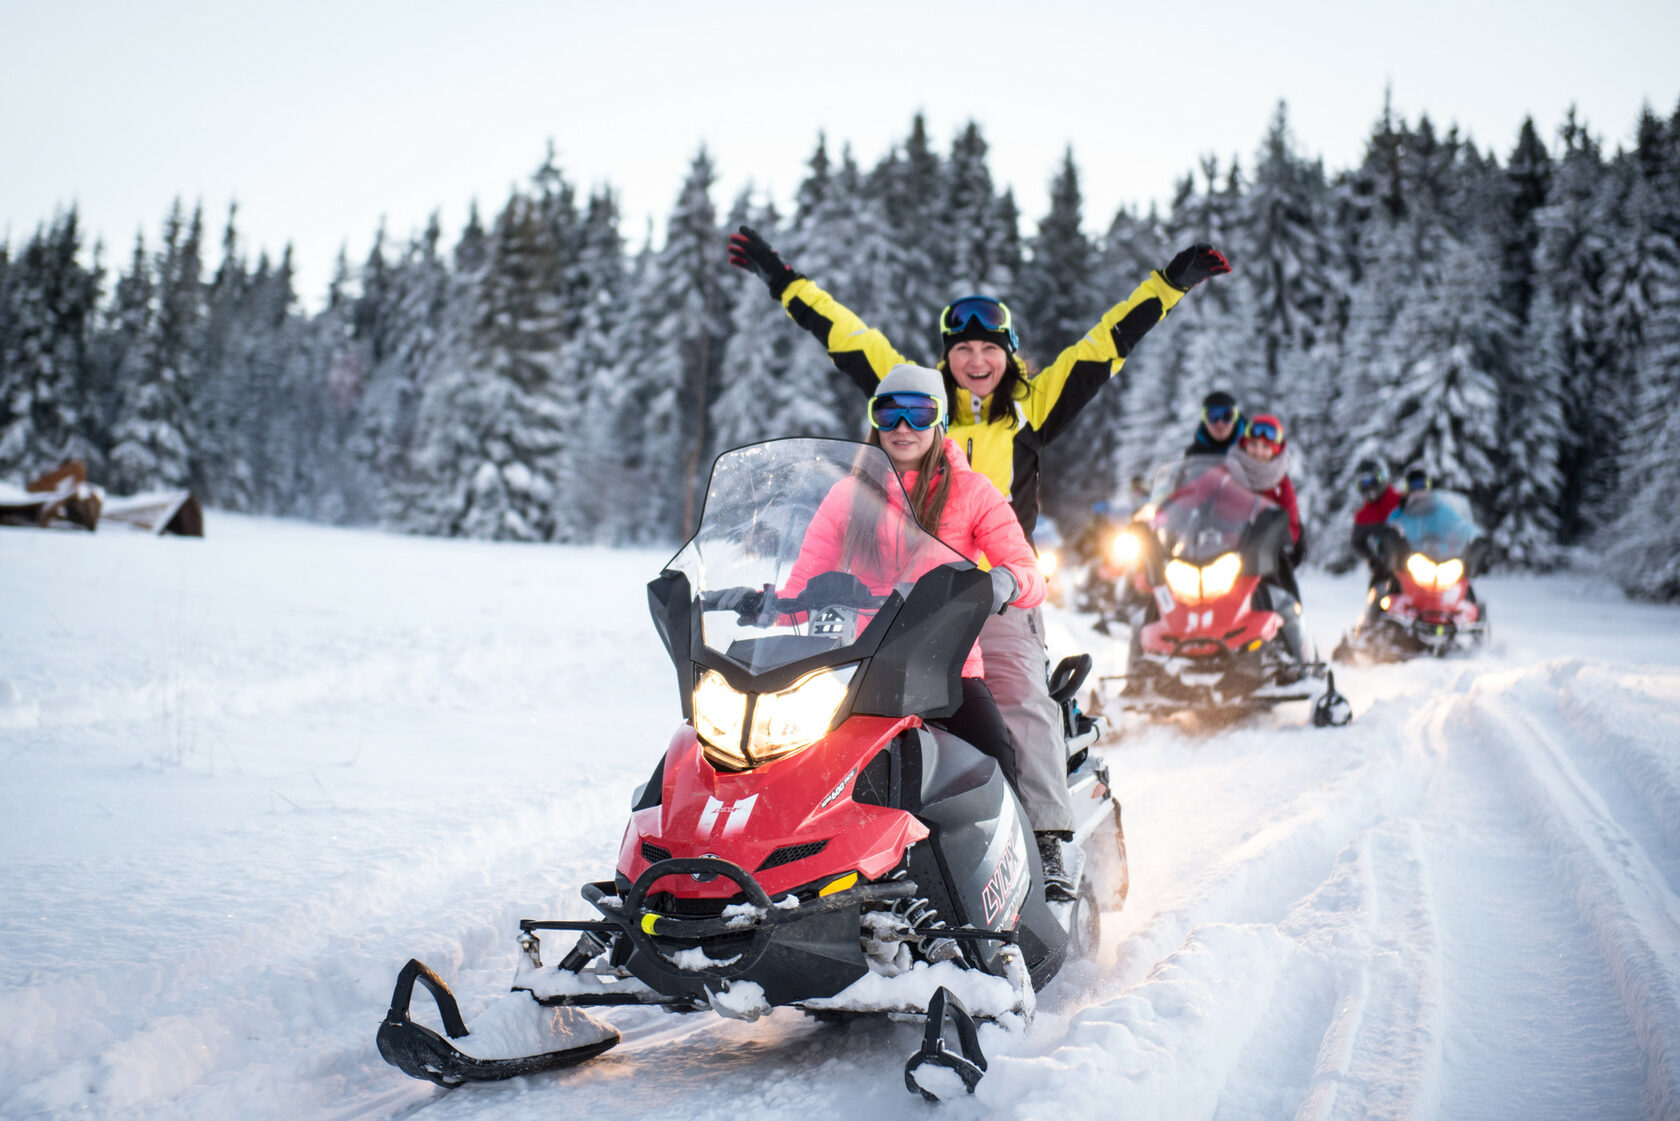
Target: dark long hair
[1012,387]
[927,499]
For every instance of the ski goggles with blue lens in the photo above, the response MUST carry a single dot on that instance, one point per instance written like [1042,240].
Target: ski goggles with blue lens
[1417,480]
[919,410]
[992,315]
[1265,430]
[1221,414]
[1370,484]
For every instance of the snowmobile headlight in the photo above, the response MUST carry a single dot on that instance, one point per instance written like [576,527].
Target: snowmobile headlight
[782,723]
[720,716]
[1431,575]
[1185,581]
[1125,549]
[1422,569]
[1191,585]
[1220,577]
[786,722]
[1048,561]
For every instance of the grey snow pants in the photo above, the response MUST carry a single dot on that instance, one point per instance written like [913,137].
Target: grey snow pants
[1012,647]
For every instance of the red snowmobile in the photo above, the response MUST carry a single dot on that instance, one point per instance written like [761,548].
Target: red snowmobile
[810,838]
[1421,601]
[1216,627]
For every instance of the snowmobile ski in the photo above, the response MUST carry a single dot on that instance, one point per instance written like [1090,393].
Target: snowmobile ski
[548,1037]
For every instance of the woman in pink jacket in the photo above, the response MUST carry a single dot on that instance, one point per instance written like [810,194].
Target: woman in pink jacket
[961,507]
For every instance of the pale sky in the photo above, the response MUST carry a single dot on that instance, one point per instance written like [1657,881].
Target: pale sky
[322,118]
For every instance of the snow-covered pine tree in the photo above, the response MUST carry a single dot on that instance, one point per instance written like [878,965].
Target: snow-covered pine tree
[1642,544]
[684,313]
[45,413]
[592,366]
[762,397]
[978,238]
[491,425]
[424,321]
[910,189]
[156,431]
[222,472]
[1530,174]
[840,237]
[1572,256]
[1443,408]
[1058,303]
[1531,484]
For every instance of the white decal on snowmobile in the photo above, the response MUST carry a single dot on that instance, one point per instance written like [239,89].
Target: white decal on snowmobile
[839,789]
[1164,599]
[1006,887]
[736,813]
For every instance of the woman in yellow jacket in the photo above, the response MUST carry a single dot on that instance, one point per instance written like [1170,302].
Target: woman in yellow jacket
[1002,416]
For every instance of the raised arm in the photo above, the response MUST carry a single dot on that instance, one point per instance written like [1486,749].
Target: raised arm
[1069,383]
[858,351]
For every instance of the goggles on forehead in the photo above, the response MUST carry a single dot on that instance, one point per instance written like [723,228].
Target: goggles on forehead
[992,315]
[1221,414]
[1265,430]
[919,410]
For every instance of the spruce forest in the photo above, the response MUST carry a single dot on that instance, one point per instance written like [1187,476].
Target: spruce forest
[1511,321]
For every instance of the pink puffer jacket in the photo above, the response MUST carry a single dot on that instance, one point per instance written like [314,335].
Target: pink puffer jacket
[977,522]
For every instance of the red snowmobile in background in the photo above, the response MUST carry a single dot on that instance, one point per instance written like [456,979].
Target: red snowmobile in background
[1421,600]
[1216,619]
[808,839]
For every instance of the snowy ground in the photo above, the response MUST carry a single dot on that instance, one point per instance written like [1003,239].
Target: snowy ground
[245,778]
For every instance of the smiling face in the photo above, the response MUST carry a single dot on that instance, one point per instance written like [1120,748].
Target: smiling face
[905,446]
[977,366]
[1261,449]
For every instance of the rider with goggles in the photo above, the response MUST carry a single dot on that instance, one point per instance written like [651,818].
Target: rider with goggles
[1000,417]
[907,421]
[1261,462]
[1221,427]
[1380,499]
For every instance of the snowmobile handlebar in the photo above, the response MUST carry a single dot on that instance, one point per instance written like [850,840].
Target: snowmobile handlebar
[826,589]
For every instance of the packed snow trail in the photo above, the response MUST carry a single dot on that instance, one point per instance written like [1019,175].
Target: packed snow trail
[249,776]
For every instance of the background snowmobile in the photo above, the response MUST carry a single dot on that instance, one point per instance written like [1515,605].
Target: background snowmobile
[807,840]
[1217,628]
[1422,601]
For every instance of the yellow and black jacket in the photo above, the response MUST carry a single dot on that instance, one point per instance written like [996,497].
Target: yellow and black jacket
[1005,453]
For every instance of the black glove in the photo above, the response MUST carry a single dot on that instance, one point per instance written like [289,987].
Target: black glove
[747,603]
[1298,552]
[1195,265]
[1004,589]
[750,252]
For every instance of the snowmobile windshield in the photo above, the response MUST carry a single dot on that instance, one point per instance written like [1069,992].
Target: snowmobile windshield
[1437,523]
[802,544]
[1202,512]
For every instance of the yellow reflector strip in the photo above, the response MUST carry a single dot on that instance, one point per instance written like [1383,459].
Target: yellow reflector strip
[841,884]
[648,921]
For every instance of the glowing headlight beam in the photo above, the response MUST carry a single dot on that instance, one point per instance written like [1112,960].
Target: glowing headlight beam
[782,723]
[1220,577]
[1191,585]
[1125,549]
[1185,581]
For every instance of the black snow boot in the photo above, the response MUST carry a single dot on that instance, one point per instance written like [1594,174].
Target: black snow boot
[1058,887]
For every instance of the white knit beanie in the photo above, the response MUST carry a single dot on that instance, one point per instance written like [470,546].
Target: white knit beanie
[906,378]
